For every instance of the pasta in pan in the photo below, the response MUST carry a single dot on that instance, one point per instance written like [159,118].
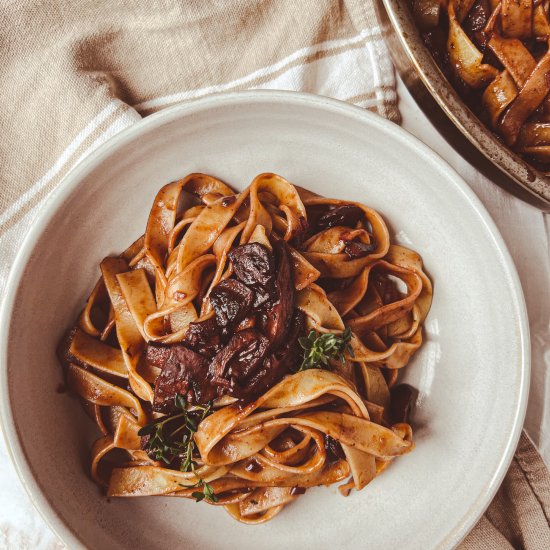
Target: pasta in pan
[247,347]
[495,54]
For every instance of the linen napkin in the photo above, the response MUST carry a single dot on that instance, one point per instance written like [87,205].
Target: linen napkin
[72,74]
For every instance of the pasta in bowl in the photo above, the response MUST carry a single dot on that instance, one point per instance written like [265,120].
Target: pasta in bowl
[247,347]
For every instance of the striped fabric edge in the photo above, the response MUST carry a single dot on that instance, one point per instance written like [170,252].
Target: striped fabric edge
[121,115]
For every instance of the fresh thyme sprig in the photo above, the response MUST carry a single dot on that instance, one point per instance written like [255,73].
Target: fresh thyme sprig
[171,437]
[207,492]
[320,348]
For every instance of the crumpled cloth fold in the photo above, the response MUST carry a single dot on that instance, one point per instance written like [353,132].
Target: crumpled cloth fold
[73,74]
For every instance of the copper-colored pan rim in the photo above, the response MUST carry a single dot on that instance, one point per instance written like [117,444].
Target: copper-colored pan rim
[530,179]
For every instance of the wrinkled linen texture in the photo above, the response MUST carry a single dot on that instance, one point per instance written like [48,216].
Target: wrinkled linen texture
[73,74]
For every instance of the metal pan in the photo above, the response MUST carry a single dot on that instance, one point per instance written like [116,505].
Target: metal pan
[421,75]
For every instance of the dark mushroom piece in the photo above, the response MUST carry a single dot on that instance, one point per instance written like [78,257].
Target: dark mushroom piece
[253,264]
[278,317]
[334,450]
[183,372]
[204,337]
[314,213]
[359,249]
[231,301]
[346,215]
[242,356]
[276,365]
[157,354]
[402,397]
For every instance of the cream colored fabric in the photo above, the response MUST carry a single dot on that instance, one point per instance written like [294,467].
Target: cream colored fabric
[519,516]
[74,73]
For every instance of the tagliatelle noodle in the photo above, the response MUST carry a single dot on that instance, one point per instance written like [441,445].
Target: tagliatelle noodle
[256,456]
[496,55]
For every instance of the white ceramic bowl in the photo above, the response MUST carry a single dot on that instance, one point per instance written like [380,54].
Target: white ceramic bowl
[472,373]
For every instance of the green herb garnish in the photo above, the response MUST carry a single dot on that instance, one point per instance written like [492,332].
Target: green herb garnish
[206,494]
[207,490]
[171,437]
[320,348]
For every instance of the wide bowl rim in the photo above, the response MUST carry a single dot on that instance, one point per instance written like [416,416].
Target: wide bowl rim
[71,182]
[531,180]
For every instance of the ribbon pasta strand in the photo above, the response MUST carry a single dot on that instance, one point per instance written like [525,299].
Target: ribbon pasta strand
[141,329]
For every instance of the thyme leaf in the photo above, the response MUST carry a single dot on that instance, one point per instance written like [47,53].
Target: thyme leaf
[207,492]
[171,437]
[320,348]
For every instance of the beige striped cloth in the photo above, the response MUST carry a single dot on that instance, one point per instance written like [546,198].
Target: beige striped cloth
[74,73]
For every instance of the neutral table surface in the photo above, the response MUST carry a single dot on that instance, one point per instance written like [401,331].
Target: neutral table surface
[527,233]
